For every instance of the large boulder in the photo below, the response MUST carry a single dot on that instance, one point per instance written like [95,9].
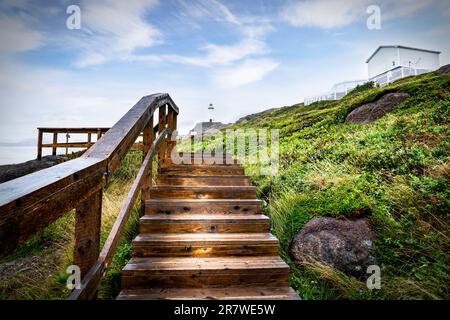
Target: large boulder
[372,111]
[444,69]
[341,244]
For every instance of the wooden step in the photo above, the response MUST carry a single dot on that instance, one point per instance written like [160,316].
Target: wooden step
[229,293]
[183,223]
[204,244]
[203,206]
[188,272]
[201,169]
[202,180]
[203,192]
[206,159]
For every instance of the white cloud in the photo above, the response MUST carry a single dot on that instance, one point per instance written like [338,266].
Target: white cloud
[212,9]
[218,55]
[16,36]
[244,73]
[328,14]
[114,30]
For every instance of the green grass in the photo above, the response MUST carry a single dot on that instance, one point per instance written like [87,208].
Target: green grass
[394,171]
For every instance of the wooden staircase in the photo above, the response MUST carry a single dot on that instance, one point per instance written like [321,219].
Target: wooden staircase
[203,236]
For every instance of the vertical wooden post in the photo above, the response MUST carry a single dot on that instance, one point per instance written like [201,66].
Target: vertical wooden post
[169,136]
[89,138]
[99,134]
[147,140]
[55,141]
[87,232]
[161,127]
[39,144]
[174,127]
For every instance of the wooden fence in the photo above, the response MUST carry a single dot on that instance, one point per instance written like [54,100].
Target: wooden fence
[57,132]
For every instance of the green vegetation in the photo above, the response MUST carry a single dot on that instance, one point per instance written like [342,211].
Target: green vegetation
[394,171]
[37,270]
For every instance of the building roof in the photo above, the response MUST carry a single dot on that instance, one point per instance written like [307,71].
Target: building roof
[400,47]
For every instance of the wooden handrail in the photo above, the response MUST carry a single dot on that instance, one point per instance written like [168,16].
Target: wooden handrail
[32,202]
[92,279]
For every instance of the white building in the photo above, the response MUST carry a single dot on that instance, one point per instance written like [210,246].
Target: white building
[385,65]
[390,63]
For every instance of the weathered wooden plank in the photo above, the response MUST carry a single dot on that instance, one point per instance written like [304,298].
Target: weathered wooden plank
[203,206]
[148,138]
[203,180]
[202,169]
[193,223]
[87,232]
[205,245]
[228,293]
[202,192]
[212,272]
[39,144]
[55,141]
[72,130]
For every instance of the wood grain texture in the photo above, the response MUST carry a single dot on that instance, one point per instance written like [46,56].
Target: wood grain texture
[202,192]
[229,293]
[188,223]
[203,206]
[202,180]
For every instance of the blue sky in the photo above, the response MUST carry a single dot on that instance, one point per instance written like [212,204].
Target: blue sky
[243,56]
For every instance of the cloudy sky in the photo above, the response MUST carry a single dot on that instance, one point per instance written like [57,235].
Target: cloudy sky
[244,56]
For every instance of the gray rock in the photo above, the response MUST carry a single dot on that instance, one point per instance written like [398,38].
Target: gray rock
[372,111]
[444,69]
[341,244]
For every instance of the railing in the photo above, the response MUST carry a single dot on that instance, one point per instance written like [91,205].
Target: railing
[395,74]
[338,91]
[67,131]
[98,132]
[30,203]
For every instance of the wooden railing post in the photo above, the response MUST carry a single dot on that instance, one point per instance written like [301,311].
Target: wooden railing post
[161,127]
[170,118]
[39,144]
[147,140]
[55,141]
[87,232]
[89,138]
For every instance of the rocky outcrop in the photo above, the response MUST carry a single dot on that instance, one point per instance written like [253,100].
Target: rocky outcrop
[14,171]
[372,111]
[444,69]
[341,244]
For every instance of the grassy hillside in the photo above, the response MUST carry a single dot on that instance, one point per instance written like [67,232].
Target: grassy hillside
[394,171]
